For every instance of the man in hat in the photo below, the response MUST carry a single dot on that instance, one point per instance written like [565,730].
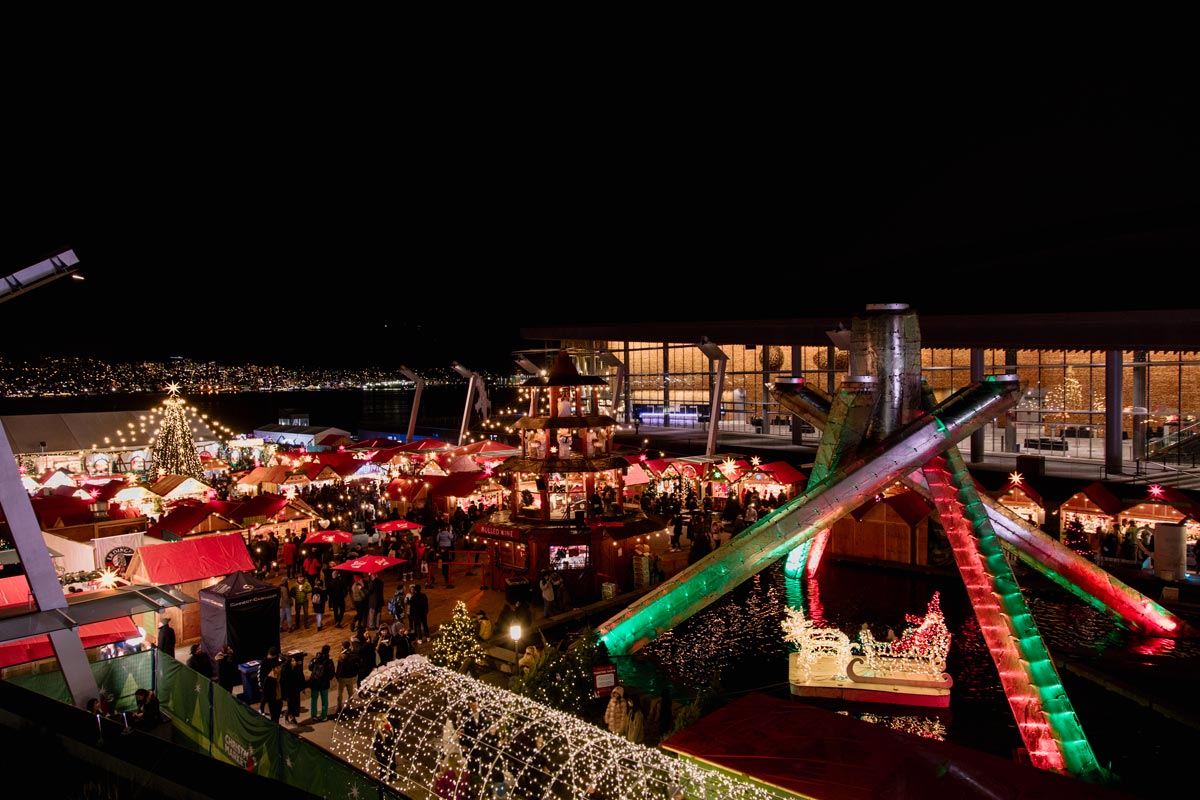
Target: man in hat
[166,636]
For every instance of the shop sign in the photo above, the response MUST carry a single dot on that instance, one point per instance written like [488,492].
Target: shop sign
[604,679]
[498,532]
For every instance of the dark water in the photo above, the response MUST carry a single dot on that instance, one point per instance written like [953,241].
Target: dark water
[354,410]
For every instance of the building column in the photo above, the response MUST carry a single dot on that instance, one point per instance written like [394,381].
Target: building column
[1113,403]
[1140,403]
[979,436]
[1010,427]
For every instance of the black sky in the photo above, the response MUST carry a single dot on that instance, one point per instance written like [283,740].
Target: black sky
[234,238]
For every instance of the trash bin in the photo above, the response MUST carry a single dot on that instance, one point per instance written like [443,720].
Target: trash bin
[516,589]
[249,672]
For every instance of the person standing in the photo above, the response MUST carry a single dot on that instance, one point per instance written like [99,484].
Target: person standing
[429,566]
[375,601]
[270,670]
[303,590]
[312,566]
[337,597]
[287,555]
[285,606]
[166,636]
[199,661]
[419,610]
[547,587]
[320,675]
[385,648]
[318,598]
[676,531]
[291,685]
[635,721]
[228,674]
[347,673]
[615,716]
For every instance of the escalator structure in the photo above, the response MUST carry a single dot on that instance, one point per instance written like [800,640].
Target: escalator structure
[879,428]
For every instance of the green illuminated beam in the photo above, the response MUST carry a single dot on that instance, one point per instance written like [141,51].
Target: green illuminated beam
[776,534]
[844,421]
[1044,715]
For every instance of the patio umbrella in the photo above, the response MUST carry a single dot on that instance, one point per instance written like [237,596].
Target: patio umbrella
[398,525]
[368,564]
[329,537]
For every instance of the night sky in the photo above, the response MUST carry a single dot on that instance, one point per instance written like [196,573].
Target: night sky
[263,239]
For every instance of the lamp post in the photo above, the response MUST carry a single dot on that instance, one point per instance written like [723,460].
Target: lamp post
[515,632]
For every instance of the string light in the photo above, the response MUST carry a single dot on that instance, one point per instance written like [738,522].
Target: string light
[414,711]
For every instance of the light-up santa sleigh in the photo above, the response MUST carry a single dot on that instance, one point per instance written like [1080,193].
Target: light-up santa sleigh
[909,670]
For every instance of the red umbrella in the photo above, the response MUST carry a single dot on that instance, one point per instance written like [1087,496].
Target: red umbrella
[329,537]
[369,564]
[398,525]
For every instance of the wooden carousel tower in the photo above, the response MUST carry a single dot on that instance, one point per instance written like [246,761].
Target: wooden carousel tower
[565,506]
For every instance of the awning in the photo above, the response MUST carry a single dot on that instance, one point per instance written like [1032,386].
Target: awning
[93,634]
[191,560]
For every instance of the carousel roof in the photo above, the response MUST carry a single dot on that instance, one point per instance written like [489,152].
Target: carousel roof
[564,373]
[543,466]
[575,421]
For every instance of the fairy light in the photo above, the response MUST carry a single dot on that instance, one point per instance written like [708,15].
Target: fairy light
[921,649]
[417,709]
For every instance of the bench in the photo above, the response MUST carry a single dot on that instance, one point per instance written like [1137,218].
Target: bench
[1047,443]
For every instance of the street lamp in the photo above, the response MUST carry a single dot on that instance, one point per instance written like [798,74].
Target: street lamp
[515,632]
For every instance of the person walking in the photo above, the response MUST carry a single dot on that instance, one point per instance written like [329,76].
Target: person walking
[285,606]
[318,599]
[301,595]
[429,566]
[419,610]
[337,596]
[320,675]
[358,599]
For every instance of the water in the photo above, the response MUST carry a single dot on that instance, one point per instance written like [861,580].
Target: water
[354,410]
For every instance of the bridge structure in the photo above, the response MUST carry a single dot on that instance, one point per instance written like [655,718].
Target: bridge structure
[881,427]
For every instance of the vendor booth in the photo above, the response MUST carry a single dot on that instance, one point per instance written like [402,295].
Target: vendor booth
[240,611]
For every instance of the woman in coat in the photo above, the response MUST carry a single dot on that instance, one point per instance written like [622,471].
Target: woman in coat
[615,713]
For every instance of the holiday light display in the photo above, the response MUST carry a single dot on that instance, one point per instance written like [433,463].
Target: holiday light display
[921,649]
[821,651]
[173,449]
[410,718]
[456,645]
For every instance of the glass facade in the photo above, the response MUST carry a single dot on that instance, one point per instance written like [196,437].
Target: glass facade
[1062,412]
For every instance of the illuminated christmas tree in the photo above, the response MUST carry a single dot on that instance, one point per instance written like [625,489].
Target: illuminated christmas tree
[174,448]
[456,645]
[562,679]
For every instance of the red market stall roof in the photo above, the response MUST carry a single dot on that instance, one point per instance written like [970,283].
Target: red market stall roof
[814,752]
[91,634]
[190,560]
[184,519]
[784,472]
[911,506]
[636,475]
[425,445]
[1115,499]
[485,446]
